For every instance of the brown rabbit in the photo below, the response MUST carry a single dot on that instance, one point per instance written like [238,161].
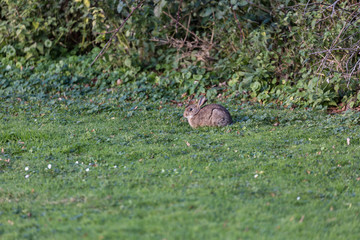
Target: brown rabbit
[209,115]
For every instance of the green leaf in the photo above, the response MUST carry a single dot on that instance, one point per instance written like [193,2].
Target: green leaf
[10,51]
[243,3]
[220,14]
[28,55]
[48,43]
[127,62]
[234,80]
[197,77]
[120,6]
[313,23]
[158,8]
[255,86]
[40,47]
[207,12]
[36,25]
[86,3]
[18,32]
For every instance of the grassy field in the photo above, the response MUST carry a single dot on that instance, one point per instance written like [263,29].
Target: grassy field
[138,171]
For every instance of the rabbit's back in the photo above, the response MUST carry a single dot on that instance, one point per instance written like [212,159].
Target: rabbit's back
[218,115]
[211,115]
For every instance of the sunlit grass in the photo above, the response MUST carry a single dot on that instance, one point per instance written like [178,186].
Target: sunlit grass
[141,172]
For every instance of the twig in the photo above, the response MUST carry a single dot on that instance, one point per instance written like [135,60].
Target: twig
[321,67]
[352,21]
[101,33]
[187,29]
[237,22]
[349,59]
[333,7]
[307,4]
[316,4]
[213,30]
[192,33]
[177,17]
[117,30]
[349,37]
[356,64]
[258,6]
[333,49]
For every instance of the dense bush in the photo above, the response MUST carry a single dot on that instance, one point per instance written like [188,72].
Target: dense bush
[290,52]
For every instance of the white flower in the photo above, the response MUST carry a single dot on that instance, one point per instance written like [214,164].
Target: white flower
[77,162]
[49,166]
[87,169]
[256,175]
[163,170]
[115,166]
[298,198]
[26,168]
[27,176]
[124,166]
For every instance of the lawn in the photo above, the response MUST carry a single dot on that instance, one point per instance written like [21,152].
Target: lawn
[116,170]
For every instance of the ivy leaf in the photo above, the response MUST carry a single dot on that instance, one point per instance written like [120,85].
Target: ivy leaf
[36,25]
[127,62]
[220,14]
[120,6]
[158,8]
[233,81]
[255,86]
[48,43]
[243,3]
[40,47]
[206,12]
[87,3]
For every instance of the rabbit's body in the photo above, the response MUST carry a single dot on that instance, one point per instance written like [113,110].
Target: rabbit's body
[209,115]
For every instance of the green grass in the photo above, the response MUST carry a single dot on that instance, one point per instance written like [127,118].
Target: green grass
[151,176]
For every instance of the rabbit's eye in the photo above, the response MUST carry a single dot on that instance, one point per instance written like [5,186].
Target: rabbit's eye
[190,109]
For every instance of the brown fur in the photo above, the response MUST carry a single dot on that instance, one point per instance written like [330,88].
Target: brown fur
[209,115]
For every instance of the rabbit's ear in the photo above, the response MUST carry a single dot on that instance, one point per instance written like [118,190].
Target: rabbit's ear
[202,101]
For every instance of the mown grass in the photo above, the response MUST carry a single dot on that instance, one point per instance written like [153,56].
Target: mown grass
[138,171]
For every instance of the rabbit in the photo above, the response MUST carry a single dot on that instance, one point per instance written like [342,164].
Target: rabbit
[209,115]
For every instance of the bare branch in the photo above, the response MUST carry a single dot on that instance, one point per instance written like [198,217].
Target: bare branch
[237,23]
[117,30]
[333,7]
[321,67]
[187,29]
[307,4]
[332,49]
[352,71]
[177,17]
[192,33]
[260,7]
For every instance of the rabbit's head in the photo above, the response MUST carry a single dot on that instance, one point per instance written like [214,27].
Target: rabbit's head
[193,109]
